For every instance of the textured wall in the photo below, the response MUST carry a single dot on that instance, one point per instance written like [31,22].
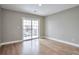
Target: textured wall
[0,25]
[12,24]
[64,25]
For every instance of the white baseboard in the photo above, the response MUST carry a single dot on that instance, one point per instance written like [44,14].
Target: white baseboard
[11,42]
[58,40]
[5,43]
[55,39]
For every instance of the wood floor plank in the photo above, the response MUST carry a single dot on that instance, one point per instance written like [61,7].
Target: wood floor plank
[39,47]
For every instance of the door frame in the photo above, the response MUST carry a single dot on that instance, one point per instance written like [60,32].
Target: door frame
[31,26]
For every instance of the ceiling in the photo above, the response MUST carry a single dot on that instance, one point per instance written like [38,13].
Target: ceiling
[42,10]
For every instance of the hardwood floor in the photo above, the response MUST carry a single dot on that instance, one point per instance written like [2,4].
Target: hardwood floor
[39,47]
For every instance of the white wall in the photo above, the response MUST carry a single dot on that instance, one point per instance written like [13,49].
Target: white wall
[64,25]
[12,24]
[0,26]
[42,28]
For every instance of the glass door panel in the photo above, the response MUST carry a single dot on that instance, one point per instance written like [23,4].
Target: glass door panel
[26,29]
[34,28]
[30,29]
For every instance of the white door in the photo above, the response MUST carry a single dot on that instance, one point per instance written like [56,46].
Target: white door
[30,29]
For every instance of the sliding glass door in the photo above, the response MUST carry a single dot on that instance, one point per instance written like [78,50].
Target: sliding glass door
[34,28]
[30,29]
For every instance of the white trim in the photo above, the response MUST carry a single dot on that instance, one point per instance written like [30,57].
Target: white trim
[73,44]
[11,42]
[58,40]
[5,43]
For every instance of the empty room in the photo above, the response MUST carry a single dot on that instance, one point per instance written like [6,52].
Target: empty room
[39,29]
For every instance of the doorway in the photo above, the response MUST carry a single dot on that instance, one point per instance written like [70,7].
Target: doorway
[30,29]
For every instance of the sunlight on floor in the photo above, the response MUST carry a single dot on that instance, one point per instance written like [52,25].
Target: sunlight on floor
[30,47]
